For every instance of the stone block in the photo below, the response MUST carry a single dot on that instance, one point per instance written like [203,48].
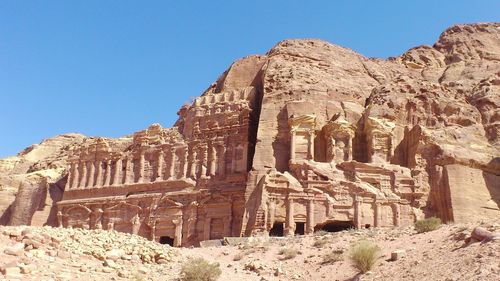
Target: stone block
[211,243]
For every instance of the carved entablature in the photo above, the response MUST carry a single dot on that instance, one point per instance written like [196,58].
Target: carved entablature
[302,134]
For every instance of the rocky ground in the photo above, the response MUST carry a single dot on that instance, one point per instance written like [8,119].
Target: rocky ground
[34,253]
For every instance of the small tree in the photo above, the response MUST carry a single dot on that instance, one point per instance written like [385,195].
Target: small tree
[198,269]
[364,255]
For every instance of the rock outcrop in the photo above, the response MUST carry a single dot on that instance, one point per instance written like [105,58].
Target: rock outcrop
[308,136]
[33,181]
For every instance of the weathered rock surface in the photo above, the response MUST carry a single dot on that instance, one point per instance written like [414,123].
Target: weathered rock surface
[308,136]
[34,179]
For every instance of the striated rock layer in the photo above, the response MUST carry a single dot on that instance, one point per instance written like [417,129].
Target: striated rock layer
[309,136]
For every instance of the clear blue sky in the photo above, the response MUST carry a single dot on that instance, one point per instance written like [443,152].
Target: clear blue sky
[109,68]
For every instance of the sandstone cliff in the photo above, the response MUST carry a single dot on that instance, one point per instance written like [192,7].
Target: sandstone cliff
[442,104]
[427,122]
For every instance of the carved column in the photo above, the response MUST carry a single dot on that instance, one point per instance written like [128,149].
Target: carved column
[328,206]
[71,168]
[397,214]
[107,176]
[178,232]
[90,181]
[204,161]
[83,182]
[212,165]
[136,224]
[98,181]
[349,148]
[292,145]
[141,167]
[153,231]
[159,167]
[233,157]
[272,214]
[117,178]
[97,224]
[245,156]
[311,145]
[222,160]
[76,176]
[192,172]
[290,222]
[185,163]
[128,170]
[310,217]
[357,211]
[171,172]
[377,214]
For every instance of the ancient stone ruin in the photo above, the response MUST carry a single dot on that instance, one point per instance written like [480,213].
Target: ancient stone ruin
[194,182]
[308,137]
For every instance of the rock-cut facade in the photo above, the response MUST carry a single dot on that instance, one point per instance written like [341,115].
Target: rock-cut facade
[308,137]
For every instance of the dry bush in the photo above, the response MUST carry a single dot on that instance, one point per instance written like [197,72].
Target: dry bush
[320,243]
[332,257]
[364,255]
[288,253]
[198,269]
[427,225]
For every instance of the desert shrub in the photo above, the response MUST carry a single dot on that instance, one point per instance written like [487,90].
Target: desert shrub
[288,253]
[332,257]
[363,255]
[427,225]
[198,269]
[320,243]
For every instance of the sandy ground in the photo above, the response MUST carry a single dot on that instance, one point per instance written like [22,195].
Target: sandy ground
[437,255]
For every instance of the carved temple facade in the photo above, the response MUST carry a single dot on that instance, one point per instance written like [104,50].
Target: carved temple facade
[195,181]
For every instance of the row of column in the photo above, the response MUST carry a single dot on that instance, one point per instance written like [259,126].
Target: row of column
[99,173]
[290,221]
[204,161]
[377,213]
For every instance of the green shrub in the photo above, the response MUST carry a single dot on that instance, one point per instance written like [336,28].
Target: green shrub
[364,255]
[427,225]
[198,269]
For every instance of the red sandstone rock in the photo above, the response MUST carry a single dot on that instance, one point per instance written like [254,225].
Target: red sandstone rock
[308,136]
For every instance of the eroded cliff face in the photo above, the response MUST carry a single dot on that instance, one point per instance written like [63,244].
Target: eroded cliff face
[308,136]
[34,179]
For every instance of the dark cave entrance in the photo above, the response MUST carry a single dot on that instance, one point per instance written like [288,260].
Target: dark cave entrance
[300,228]
[278,230]
[167,240]
[334,226]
